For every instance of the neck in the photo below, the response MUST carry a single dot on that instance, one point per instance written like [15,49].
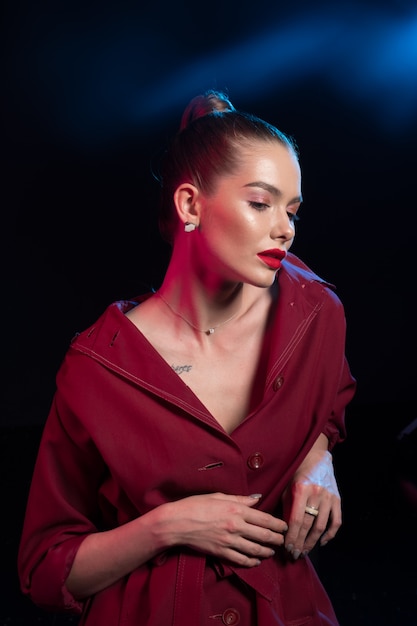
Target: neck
[200,300]
[208,330]
[198,311]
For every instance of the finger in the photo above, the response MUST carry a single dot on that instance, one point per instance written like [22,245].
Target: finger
[266,527]
[296,546]
[298,527]
[254,549]
[262,536]
[243,560]
[271,528]
[250,500]
[316,531]
[324,528]
[260,518]
[332,530]
[248,553]
[305,528]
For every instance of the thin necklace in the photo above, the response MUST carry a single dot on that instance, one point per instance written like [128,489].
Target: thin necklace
[208,331]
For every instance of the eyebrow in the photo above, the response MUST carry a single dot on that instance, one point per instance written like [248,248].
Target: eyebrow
[272,190]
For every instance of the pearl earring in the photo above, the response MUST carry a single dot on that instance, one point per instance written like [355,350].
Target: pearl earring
[189,227]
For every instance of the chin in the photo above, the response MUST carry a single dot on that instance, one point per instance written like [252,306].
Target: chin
[265,283]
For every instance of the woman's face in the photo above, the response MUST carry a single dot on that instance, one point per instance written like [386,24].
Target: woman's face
[249,221]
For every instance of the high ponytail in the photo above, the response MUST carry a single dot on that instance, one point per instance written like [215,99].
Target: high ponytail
[205,104]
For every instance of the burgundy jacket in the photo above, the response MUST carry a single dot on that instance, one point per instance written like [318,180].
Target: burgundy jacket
[125,434]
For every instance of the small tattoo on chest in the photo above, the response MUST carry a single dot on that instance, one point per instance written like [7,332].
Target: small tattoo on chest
[180,369]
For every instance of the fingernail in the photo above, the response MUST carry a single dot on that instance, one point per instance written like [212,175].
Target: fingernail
[324,543]
[289,548]
[305,553]
[296,554]
[255,496]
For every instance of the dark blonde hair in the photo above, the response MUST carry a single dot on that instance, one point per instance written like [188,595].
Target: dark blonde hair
[206,147]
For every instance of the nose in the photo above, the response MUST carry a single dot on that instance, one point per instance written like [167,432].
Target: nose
[282,226]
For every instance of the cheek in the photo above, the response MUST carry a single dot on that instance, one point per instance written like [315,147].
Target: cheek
[232,222]
[246,224]
[229,238]
[229,225]
[245,233]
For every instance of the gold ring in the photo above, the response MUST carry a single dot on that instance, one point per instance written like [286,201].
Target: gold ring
[312,510]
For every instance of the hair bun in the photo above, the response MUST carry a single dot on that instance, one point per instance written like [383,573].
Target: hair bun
[204,104]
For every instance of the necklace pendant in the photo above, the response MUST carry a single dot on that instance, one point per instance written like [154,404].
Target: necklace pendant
[210,331]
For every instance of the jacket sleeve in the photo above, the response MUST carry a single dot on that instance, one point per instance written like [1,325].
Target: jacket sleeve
[61,509]
[337,379]
[335,428]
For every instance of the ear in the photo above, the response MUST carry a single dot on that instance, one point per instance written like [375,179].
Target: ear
[186,199]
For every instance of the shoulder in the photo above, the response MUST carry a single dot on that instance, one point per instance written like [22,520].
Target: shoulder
[111,341]
[110,345]
[107,325]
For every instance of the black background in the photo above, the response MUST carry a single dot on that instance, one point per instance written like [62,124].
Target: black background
[91,92]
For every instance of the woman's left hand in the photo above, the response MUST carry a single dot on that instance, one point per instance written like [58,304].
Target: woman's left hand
[312,506]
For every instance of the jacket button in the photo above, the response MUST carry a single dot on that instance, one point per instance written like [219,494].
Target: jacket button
[278,382]
[256,460]
[231,617]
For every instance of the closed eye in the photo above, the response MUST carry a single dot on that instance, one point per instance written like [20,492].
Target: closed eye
[259,206]
[293,217]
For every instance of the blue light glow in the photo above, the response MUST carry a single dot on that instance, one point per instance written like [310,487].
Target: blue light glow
[94,85]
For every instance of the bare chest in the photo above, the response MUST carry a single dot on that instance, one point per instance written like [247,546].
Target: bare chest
[226,370]
[225,381]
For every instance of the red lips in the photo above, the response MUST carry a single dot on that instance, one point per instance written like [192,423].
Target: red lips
[272,258]
[276,253]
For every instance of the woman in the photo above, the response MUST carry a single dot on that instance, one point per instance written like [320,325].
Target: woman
[185,471]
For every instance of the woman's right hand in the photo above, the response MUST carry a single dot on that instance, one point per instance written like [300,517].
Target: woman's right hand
[225,526]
